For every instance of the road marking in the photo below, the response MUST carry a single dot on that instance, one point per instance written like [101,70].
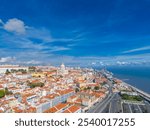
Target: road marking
[130,108]
[121,107]
[110,107]
[99,105]
[139,109]
[107,101]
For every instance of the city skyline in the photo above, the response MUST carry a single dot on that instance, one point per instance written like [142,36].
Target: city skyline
[75,32]
[63,89]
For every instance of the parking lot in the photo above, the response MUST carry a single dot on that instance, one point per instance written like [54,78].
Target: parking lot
[117,105]
[135,107]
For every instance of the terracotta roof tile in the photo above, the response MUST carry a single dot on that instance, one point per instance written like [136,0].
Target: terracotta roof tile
[73,108]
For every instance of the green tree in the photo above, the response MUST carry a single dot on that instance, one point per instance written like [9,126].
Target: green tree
[88,88]
[37,84]
[13,70]
[32,69]
[138,98]
[130,97]
[96,88]
[2,93]
[85,89]
[7,72]
[7,92]
[76,90]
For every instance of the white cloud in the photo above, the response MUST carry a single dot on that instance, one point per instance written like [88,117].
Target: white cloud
[40,33]
[33,62]
[62,39]
[38,57]
[93,63]
[1,22]
[14,25]
[137,49]
[7,59]
[59,48]
[122,63]
[33,48]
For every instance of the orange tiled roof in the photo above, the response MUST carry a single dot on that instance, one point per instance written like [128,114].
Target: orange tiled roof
[61,106]
[51,110]
[56,108]
[51,96]
[1,111]
[72,97]
[62,92]
[78,100]
[17,110]
[1,86]
[67,111]
[73,108]
[31,110]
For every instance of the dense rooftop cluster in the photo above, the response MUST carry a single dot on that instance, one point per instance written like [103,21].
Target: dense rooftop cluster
[50,89]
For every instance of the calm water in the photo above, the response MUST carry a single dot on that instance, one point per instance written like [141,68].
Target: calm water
[136,76]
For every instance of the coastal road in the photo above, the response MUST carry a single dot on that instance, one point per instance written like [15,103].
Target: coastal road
[100,107]
[110,104]
[115,104]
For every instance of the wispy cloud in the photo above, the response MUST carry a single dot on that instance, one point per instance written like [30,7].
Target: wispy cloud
[137,49]
[59,48]
[7,59]
[33,62]
[39,57]
[29,45]
[42,34]
[1,22]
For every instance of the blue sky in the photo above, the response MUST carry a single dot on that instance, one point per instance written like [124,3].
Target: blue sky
[76,32]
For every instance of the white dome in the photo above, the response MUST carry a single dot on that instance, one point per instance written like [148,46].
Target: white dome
[62,65]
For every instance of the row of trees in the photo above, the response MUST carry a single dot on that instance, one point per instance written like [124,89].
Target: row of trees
[23,71]
[19,70]
[131,98]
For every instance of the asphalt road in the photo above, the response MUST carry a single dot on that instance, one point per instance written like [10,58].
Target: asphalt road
[112,103]
[100,107]
[115,104]
[126,108]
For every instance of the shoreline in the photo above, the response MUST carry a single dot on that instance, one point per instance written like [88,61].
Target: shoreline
[133,81]
[141,92]
[138,76]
